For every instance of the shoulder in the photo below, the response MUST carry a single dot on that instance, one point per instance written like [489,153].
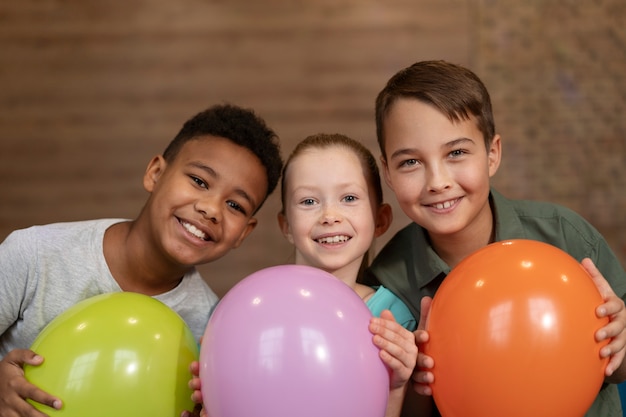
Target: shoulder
[541,220]
[59,246]
[561,227]
[63,229]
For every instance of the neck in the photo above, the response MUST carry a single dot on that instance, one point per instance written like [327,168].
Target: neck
[134,266]
[347,273]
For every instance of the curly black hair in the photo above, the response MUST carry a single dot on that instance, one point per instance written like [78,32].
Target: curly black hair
[242,127]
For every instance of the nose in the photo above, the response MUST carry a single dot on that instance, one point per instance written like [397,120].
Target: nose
[438,178]
[330,214]
[210,208]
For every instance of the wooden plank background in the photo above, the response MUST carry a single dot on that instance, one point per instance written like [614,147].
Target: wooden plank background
[91,90]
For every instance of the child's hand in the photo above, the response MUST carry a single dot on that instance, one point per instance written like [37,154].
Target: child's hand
[15,389]
[196,396]
[613,308]
[397,347]
[422,376]
[398,352]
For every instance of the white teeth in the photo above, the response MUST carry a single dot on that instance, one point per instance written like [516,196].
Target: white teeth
[333,239]
[194,230]
[444,205]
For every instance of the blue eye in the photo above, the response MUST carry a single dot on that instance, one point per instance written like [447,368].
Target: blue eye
[350,198]
[308,202]
[457,152]
[409,162]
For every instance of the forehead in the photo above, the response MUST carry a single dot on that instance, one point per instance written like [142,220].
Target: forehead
[413,121]
[234,166]
[336,156]
[331,164]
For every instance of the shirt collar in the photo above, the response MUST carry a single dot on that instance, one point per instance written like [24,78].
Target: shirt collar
[507,222]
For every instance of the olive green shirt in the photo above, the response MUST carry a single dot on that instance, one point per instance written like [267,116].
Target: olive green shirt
[409,267]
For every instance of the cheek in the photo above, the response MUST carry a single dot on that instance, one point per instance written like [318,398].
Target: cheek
[473,179]
[405,187]
[299,225]
[370,226]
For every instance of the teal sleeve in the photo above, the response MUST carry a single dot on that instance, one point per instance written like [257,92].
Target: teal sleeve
[384,299]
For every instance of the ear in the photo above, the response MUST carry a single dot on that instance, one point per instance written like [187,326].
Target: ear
[383,163]
[284,226]
[384,217]
[155,169]
[494,155]
[252,222]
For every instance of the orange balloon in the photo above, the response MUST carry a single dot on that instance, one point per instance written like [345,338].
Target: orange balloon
[512,334]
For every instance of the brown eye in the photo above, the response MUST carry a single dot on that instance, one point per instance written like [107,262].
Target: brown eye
[199,181]
[236,206]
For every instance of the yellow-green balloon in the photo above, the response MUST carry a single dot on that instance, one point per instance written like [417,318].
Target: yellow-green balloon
[116,355]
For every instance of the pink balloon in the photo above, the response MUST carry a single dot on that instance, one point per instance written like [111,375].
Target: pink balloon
[291,341]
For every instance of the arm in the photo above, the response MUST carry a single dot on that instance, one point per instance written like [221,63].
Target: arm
[615,330]
[15,389]
[399,353]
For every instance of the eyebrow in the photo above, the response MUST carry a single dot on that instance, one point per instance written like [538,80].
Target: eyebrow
[458,141]
[214,174]
[401,152]
[411,151]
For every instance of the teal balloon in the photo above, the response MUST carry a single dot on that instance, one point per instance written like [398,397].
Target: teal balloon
[116,355]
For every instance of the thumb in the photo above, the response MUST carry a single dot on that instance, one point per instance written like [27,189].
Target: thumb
[387,315]
[21,357]
[424,312]
[601,283]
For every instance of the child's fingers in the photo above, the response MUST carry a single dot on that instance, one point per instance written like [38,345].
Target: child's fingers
[387,315]
[395,340]
[195,384]
[16,389]
[397,348]
[614,308]
[613,330]
[601,283]
[422,376]
[194,368]
[424,361]
[405,357]
[614,362]
[196,397]
[421,336]
[421,382]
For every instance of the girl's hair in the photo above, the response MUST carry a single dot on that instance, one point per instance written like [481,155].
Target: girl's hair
[324,141]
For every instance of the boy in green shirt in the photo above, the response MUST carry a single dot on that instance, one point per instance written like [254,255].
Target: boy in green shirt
[439,148]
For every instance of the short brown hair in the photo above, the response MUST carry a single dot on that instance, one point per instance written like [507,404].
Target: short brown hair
[454,90]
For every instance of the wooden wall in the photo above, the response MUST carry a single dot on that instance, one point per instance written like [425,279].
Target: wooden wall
[91,90]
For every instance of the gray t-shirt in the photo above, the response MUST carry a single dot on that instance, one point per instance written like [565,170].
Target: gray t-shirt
[44,270]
